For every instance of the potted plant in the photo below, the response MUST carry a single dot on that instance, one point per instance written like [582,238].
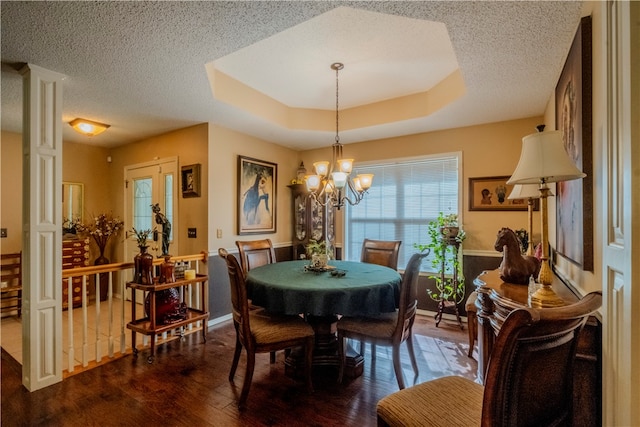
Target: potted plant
[318,253]
[143,261]
[444,237]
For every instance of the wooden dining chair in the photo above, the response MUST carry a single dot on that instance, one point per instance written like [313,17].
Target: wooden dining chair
[11,278]
[529,380]
[262,333]
[381,252]
[390,329]
[254,253]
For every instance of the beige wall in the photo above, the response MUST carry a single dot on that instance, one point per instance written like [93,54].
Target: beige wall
[225,147]
[487,150]
[190,146]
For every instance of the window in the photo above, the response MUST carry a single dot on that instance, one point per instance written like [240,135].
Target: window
[405,196]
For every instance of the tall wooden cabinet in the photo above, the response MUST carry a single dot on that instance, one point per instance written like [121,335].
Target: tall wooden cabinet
[75,253]
[311,220]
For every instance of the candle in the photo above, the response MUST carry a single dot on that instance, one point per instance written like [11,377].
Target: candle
[189,274]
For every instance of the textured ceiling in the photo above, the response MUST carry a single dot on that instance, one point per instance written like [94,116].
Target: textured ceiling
[140,66]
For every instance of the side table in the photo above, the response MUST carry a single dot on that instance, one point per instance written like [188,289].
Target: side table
[497,298]
[148,325]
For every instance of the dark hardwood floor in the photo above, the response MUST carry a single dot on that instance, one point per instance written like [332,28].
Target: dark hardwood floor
[187,385]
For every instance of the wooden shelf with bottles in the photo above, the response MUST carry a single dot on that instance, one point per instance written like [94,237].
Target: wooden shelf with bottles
[149,326]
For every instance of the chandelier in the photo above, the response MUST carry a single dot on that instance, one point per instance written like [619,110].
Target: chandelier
[332,183]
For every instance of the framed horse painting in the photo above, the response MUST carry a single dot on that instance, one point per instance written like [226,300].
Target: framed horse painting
[257,183]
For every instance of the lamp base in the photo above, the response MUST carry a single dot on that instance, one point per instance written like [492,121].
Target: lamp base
[546,297]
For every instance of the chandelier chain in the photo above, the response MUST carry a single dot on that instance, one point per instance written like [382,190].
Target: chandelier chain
[337,120]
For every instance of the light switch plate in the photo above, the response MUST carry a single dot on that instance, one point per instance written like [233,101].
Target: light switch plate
[3,232]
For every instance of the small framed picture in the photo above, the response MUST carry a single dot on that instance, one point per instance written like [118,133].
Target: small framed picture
[491,194]
[191,180]
[257,183]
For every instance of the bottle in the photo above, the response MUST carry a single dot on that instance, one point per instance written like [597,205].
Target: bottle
[533,287]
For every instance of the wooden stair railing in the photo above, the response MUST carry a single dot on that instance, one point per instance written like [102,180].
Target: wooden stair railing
[118,275]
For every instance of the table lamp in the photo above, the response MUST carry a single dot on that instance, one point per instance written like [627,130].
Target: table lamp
[543,159]
[530,192]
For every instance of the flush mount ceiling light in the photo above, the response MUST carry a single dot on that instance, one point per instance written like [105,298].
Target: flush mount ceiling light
[88,127]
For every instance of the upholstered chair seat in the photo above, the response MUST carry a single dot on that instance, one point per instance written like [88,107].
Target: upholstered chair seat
[434,403]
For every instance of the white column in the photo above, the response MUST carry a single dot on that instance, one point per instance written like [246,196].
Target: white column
[42,227]
[621,206]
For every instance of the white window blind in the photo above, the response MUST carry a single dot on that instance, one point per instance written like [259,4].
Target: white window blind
[405,196]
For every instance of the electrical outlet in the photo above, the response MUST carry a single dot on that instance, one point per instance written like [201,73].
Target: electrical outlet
[191,233]
[219,233]
[3,232]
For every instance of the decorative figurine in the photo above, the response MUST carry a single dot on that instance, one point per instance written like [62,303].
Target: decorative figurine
[162,220]
[515,268]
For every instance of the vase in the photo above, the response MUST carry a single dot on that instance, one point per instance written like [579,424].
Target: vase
[167,269]
[103,277]
[143,267]
[169,309]
[319,260]
[449,232]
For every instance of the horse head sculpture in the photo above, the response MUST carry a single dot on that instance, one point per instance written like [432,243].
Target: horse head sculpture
[515,267]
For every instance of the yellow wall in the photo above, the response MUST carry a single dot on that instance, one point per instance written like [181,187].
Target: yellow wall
[190,145]
[104,183]
[81,163]
[11,191]
[87,164]
[487,150]
[225,147]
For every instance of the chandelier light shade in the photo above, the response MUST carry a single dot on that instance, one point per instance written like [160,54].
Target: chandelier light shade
[88,127]
[333,183]
[543,159]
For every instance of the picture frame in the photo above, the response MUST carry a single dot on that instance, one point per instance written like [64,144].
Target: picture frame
[491,193]
[574,199]
[190,178]
[257,196]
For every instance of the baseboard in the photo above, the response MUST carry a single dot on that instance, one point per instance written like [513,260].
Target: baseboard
[218,320]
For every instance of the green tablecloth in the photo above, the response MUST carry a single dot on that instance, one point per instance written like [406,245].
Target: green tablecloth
[285,287]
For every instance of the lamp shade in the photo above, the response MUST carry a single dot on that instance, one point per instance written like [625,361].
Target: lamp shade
[544,159]
[525,191]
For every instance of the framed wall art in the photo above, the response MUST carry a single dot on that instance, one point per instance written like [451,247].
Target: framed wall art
[191,180]
[574,199]
[257,184]
[490,194]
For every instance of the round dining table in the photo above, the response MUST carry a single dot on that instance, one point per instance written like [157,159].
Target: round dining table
[345,288]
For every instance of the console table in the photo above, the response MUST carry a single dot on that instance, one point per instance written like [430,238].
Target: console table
[149,326]
[496,299]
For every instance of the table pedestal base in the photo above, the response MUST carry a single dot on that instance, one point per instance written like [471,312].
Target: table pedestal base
[325,352]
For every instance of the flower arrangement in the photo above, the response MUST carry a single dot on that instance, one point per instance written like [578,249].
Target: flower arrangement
[142,236]
[71,225]
[101,229]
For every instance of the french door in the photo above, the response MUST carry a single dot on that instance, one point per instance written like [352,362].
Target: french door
[148,184]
